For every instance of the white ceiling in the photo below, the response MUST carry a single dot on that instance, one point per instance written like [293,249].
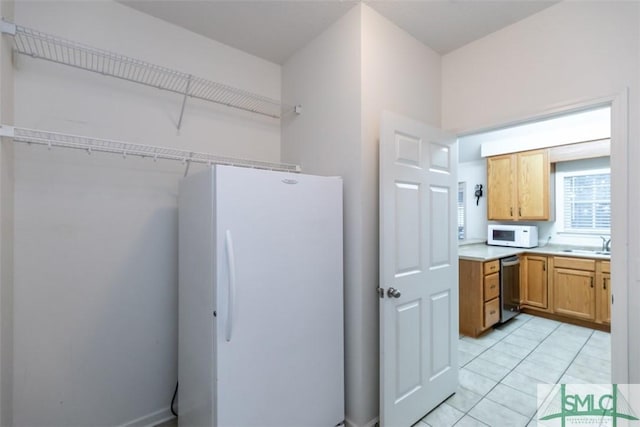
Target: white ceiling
[274,30]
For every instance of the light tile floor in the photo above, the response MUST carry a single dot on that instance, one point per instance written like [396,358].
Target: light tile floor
[499,371]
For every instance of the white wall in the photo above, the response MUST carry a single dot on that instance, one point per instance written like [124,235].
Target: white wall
[6,225]
[579,127]
[569,53]
[360,66]
[472,173]
[324,77]
[402,75]
[95,304]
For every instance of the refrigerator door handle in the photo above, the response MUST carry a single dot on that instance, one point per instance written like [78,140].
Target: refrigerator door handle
[231,265]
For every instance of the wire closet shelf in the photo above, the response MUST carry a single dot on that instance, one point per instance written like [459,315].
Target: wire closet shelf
[54,139]
[55,49]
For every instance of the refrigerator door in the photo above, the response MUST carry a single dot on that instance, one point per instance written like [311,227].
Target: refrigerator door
[279,324]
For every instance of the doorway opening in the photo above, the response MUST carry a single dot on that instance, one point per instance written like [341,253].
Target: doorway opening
[501,366]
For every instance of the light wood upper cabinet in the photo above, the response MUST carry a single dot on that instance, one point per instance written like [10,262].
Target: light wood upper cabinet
[534,287]
[518,186]
[533,172]
[501,187]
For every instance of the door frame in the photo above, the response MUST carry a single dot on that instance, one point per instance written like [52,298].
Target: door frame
[621,317]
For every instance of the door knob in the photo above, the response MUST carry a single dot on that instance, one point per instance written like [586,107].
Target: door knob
[393,293]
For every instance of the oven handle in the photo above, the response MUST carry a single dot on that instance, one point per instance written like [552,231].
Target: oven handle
[510,263]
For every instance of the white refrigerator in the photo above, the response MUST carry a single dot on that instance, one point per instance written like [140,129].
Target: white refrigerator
[260,299]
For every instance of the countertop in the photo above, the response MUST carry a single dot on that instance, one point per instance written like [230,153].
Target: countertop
[484,252]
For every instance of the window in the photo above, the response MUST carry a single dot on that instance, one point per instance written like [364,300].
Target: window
[584,202]
[461,218]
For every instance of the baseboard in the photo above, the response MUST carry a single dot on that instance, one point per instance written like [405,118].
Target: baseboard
[152,419]
[372,423]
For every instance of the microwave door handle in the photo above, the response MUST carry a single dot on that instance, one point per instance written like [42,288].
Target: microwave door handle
[510,263]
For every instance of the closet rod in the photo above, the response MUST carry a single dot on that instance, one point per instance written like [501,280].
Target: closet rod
[54,139]
[37,44]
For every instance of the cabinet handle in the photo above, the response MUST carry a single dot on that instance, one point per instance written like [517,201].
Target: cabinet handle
[604,284]
[544,266]
[492,312]
[591,281]
[510,211]
[520,211]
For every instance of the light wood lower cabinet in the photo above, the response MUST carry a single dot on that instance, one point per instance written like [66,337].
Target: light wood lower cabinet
[479,296]
[491,313]
[534,289]
[576,290]
[603,292]
[574,293]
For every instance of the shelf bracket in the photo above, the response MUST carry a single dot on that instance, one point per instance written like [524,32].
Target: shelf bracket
[8,131]
[184,100]
[7,27]
[188,162]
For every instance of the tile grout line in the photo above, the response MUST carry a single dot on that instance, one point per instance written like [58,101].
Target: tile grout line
[512,369]
[471,360]
[522,359]
[567,368]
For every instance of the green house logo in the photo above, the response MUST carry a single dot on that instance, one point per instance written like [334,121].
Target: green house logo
[586,404]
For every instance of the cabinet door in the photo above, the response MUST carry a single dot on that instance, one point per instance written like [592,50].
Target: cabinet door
[533,172]
[574,293]
[501,187]
[535,289]
[604,298]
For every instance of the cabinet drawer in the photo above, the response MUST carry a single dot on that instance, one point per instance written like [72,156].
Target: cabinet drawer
[606,266]
[574,263]
[491,267]
[491,312]
[491,286]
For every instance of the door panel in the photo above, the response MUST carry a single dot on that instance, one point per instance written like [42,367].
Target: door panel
[408,367]
[418,257]
[407,222]
[408,150]
[439,227]
[440,334]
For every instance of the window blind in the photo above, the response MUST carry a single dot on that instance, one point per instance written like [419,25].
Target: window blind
[587,202]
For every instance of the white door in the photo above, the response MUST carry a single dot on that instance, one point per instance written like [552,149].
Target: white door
[418,270]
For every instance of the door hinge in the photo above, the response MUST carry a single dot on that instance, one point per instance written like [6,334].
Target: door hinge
[380,292]
[611,299]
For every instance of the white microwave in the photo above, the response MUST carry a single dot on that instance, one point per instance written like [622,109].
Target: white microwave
[518,236]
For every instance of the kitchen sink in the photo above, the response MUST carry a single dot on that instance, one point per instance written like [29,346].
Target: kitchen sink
[587,251]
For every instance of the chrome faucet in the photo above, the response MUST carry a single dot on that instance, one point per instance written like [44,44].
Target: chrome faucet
[606,244]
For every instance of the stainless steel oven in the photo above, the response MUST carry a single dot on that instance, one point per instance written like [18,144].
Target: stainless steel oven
[509,288]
